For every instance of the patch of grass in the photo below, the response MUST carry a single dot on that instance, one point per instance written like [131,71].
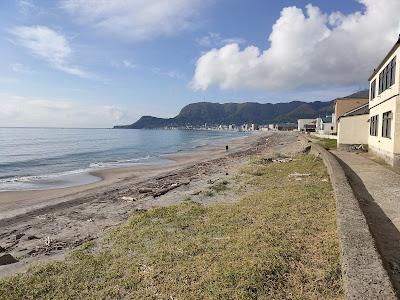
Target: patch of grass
[220,186]
[328,143]
[208,193]
[278,243]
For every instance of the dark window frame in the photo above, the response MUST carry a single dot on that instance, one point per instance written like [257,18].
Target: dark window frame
[387,124]
[393,75]
[373,89]
[373,125]
[387,77]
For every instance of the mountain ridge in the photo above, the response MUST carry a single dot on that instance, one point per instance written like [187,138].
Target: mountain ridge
[200,113]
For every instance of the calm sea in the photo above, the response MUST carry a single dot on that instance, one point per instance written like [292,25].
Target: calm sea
[43,158]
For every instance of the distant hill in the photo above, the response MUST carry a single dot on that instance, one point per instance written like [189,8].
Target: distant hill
[197,114]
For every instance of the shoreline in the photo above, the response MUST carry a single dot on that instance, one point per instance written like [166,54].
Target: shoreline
[15,203]
[46,225]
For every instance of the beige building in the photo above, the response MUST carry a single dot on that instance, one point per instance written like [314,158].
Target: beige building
[384,109]
[353,127]
[346,104]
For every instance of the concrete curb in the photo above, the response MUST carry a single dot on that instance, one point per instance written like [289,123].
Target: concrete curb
[364,276]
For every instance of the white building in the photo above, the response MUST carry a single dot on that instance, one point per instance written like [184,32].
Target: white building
[301,123]
[384,108]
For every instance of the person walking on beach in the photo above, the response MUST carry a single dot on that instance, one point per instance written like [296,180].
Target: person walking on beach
[226,147]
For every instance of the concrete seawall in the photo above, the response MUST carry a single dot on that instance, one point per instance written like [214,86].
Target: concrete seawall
[364,276]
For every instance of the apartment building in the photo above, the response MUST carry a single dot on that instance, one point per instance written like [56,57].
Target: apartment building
[384,108]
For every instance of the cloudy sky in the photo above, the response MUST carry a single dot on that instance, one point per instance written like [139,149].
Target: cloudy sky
[96,63]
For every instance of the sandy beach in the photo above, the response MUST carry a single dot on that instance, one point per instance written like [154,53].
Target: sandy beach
[43,225]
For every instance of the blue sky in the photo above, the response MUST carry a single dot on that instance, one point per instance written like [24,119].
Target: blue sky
[87,63]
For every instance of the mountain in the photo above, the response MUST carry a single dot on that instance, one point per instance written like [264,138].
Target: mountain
[197,114]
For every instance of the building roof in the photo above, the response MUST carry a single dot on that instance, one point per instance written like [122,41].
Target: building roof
[358,111]
[385,59]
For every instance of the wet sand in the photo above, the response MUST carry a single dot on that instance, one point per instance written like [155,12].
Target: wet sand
[13,204]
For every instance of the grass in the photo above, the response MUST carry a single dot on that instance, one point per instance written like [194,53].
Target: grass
[328,143]
[278,243]
[220,186]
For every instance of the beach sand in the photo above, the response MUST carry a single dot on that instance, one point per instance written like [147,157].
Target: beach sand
[42,225]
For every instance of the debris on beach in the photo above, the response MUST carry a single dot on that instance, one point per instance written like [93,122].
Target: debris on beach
[282,160]
[128,199]
[18,236]
[173,186]
[7,259]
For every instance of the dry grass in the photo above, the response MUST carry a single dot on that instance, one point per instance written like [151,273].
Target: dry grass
[279,243]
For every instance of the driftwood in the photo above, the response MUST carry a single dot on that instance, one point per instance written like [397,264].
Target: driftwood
[145,190]
[165,176]
[173,186]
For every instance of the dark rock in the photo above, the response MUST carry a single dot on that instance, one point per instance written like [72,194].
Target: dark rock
[32,237]
[19,236]
[7,259]
[2,249]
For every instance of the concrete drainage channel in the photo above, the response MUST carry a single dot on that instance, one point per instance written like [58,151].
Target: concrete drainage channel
[364,275]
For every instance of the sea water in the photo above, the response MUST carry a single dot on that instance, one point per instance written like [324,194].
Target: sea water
[46,158]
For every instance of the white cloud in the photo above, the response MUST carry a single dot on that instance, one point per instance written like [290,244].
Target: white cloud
[20,68]
[51,46]
[25,6]
[213,39]
[307,49]
[23,111]
[136,19]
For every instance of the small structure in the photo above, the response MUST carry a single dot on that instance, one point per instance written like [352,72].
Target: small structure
[346,104]
[302,122]
[384,108]
[353,127]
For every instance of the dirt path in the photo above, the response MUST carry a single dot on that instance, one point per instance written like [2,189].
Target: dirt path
[52,231]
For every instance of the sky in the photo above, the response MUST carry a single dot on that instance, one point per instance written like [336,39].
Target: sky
[98,63]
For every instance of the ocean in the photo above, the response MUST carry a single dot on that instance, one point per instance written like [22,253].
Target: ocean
[46,158]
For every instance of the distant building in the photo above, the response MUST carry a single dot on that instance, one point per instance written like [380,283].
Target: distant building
[346,104]
[302,122]
[286,126]
[384,108]
[353,127]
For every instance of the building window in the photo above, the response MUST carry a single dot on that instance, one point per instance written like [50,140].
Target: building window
[387,77]
[373,126]
[373,89]
[387,124]
[393,69]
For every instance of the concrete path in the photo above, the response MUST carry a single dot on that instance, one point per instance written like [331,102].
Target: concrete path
[378,191]
[382,183]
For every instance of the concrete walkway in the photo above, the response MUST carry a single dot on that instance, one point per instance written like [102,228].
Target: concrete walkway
[378,191]
[381,183]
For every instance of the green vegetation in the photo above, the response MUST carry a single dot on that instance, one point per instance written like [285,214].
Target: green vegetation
[220,186]
[278,243]
[328,143]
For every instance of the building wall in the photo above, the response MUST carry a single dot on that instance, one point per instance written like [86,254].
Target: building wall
[302,122]
[353,130]
[387,148]
[344,105]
